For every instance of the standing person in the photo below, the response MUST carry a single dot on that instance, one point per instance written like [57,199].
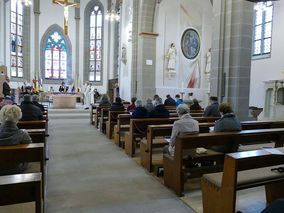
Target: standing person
[10,134]
[213,109]
[6,87]
[179,100]
[92,94]
[184,126]
[62,88]
[105,101]
[195,105]
[149,105]
[169,101]
[132,107]
[29,110]
[96,95]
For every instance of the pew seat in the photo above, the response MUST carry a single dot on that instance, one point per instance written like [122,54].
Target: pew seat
[21,188]
[243,170]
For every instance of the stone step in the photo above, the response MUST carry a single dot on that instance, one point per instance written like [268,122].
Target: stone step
[69,116]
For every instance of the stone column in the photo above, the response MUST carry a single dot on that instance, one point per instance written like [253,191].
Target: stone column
[231,53]
[37,73]
[146,51]
[77,47]
[2,30]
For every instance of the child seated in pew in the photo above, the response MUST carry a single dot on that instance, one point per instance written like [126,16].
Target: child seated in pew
[228,123]
[10,135]
[186,125]
[132,107]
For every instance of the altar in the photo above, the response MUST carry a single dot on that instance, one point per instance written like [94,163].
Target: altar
[65,100]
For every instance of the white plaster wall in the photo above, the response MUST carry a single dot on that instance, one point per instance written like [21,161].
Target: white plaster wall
[126,69]
[269,68]
[172,18]
[2,42]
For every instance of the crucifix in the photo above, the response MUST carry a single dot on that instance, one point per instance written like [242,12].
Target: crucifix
[66,4]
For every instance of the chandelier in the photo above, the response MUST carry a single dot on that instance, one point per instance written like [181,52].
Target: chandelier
[112,16]
[26,2]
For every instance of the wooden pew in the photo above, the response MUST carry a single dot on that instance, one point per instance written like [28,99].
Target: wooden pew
[93,113]
[125,120]
[140,125]
[25,153]
[112,120]
[242,170]
[32,124]
[153,131]
[98,114]
[22,188]
[103,119]
[173,166]
[121,128]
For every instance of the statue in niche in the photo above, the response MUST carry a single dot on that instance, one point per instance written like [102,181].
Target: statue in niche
[171,56]
[124,54]
[208,62]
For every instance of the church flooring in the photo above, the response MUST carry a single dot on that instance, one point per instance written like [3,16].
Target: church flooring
[87,173]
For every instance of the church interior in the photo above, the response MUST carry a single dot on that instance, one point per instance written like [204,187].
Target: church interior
[135,106]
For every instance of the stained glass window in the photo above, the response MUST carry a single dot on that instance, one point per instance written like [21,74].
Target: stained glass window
[55,57]
[16,38]
[95,57]
[263,31]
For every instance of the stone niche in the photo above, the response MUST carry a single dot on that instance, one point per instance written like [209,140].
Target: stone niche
[274,100]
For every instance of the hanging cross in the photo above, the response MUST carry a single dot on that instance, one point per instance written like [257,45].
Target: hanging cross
[66,4]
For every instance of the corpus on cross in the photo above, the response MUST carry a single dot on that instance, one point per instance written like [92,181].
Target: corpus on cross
[66,4]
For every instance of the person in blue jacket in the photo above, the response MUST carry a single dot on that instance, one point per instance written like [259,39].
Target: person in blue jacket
[179,100]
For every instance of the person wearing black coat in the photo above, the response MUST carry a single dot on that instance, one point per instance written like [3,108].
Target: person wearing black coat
[213,109]
[140,111]
[160,110]
[117,105]
[29,110]
[6,88]
[195,105]
[170,101]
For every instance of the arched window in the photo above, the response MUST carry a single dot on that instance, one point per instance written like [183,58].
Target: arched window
[55,57]
[95,59]
[17,25]
[94,42]
[262,33]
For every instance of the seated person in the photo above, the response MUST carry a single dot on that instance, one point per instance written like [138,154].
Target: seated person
[179,100]
[169,101]
[160,110]
[212,110]
[195,105]
[11,135]
[185,126]
[132,107]
[35,100]
[117,105]
[105,101]
[140,111]
[29,110]
[149,105]
[6,101]
[228,123]
[276,206]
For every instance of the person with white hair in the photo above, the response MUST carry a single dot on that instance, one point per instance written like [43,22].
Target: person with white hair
[160,110]
[140,111]
[35,100]
[184,126]
[10,134]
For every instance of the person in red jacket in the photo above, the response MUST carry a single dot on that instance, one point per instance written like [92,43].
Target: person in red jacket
[132,107]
